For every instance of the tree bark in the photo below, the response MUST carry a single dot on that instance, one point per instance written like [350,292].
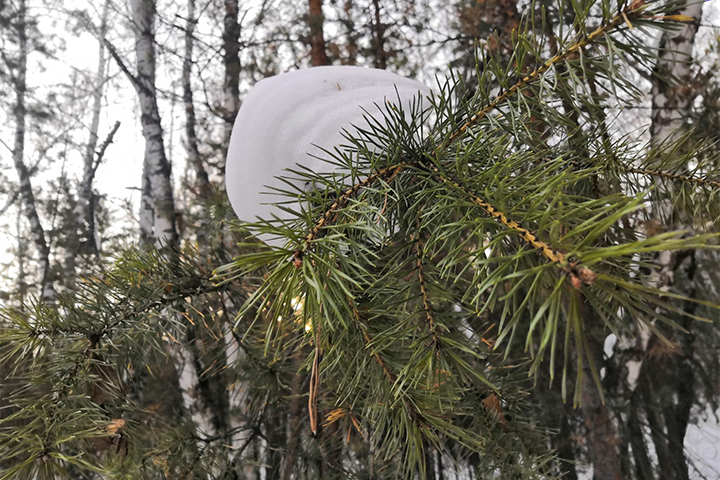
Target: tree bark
[643,467]
[293,429]
[202,182]
[47,287]
[157,199]
[231,60]
[602,436]
[348,22]
[156,168]
[380,60]
[86,198]
[671,99]
[318,54]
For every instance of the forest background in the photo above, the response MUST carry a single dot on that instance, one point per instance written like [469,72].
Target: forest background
[105,104]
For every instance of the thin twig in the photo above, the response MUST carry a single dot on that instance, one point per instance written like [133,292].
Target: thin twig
[342,201]
[673,176]
[550,253]
[429,311]
[103,147]
[577,46]
[412,411]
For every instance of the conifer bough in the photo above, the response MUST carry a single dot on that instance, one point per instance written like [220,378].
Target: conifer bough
[424,239]
[416,272]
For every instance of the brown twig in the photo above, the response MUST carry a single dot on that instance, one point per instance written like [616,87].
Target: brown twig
[387,172]
[429,311]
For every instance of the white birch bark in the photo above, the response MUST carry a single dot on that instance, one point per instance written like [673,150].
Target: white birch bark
[157,214]
[156,168]
[188,380]
[671,100]
[203,190]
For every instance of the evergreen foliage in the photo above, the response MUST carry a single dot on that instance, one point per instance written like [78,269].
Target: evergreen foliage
[454,251]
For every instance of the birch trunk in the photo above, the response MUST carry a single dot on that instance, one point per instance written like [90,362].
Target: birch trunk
[668,415]
[37,232]
[671,99]
[81,235]
[157,190]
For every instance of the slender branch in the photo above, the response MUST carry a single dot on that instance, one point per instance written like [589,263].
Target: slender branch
[11,201]
[60,390]
[673,176]
[103,147]
[368,342]
[429,311]
[412,411]
[83,360]
[548,252]
[383,173]
[134,79]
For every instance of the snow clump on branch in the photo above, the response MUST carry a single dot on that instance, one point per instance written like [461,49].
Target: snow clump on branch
[287,120]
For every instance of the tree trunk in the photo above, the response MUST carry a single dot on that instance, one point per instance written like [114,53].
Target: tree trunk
[380,60]
[351,47]
[318,55]
[86,200]
[671,100]
[643,467]
[672,97]
[231,59]
[602,436]
[202,182]
[81,235]
[157,199]
[156,168]
[293,429]
[47,288]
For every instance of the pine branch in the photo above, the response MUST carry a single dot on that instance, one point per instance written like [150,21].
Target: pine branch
[412,411]
[429,311]
[60,391]
[82,362]
[577,275]
[368,344]
[325,219]
[632,11]
[676,177]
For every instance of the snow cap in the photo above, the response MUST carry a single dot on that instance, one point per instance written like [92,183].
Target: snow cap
[287,117]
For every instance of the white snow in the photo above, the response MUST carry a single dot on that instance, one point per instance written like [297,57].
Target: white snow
[287,117]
